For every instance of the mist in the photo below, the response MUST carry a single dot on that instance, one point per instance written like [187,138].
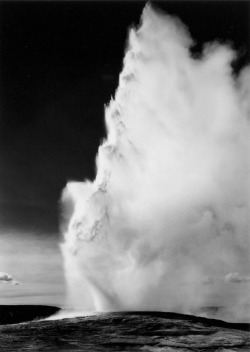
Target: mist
[165,223]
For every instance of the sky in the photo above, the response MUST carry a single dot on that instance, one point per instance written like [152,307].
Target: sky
[59,66]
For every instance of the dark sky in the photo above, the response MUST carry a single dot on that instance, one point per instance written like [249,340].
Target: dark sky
[59,65]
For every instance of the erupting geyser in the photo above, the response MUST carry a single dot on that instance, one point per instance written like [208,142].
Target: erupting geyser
[165,224]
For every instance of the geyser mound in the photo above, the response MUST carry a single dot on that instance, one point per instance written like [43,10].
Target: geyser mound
[167,217]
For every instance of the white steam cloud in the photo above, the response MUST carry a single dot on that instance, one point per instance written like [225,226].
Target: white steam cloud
[167,216]
[5,277]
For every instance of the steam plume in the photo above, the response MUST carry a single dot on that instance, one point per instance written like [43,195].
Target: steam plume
[167,217]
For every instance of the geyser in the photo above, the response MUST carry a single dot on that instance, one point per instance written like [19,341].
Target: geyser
[166,221]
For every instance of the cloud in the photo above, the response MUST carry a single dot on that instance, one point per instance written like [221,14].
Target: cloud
[5,277]
[236,277]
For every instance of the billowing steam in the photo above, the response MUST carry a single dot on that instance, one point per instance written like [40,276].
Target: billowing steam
[166,221]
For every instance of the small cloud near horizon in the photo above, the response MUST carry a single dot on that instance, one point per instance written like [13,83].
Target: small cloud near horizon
[236,277]
[5,277]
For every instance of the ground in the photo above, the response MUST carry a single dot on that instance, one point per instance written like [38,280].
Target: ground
[126,331]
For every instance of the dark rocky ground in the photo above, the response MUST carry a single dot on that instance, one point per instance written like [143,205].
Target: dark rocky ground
[126,331]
